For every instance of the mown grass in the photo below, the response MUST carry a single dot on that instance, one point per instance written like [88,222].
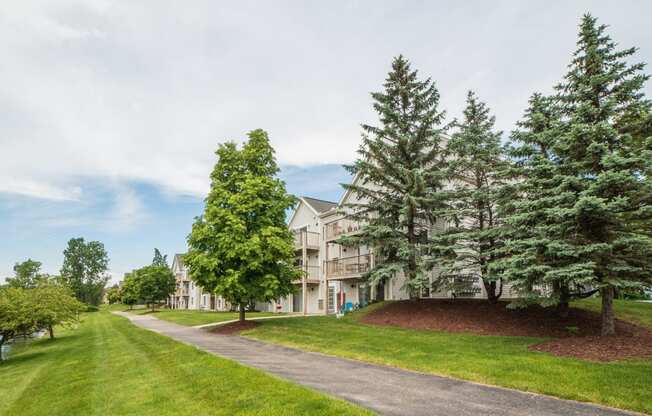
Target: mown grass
[190,317]
[627,310]
[107,366]
[496,360]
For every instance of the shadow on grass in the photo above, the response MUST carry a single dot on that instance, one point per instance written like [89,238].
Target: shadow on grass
[19,359]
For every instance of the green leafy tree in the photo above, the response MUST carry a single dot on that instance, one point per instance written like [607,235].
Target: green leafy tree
[84,269]
[476,165]
[113,295]
[400,176]
[241,248]
[16,314]
[160,259]
[54,305]
[26,275]
[129,292]
[155,283]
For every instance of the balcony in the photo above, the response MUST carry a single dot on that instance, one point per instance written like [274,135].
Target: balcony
[312,275]
[347,267]
[340,227]
[309,238]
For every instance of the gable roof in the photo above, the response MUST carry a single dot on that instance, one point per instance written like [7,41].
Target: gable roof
[178,259]
[319,205]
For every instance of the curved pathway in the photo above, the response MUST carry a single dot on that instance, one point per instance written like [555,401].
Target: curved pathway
[386,390]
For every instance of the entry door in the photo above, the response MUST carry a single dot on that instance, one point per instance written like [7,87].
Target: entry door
[331,299]
[297,302]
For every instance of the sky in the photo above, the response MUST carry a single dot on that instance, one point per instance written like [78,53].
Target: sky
[110,111]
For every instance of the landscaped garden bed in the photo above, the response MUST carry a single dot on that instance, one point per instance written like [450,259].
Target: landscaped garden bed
[577,335]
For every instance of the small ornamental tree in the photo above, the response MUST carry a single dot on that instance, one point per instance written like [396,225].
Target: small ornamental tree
[605,158]
[84,269]
[54,305]
[476,163]
[241,248]
[16,314]
[113,294]
[129,291]
[400,178]
[155,283]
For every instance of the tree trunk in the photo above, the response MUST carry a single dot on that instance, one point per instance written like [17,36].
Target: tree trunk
[490,288]
[51,331]
[608,324]
[562,294]
[242,312]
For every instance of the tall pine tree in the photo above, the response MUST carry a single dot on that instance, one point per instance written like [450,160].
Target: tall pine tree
[537,256]
[400,174]
[605,157]
[472,241]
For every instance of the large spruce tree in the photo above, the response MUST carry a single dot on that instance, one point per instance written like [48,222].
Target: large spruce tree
[475,165]
[399,176]
[537,255]
[605,158]
[241,248]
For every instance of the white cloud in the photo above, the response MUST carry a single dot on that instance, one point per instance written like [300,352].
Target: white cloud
[144,91]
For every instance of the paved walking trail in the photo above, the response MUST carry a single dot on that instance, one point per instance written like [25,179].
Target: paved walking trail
[385,390]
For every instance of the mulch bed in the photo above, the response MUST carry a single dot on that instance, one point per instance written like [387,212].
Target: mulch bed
[578,335]
[234,328]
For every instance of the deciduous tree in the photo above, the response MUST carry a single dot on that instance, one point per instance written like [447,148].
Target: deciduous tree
[84,269]
[240,248]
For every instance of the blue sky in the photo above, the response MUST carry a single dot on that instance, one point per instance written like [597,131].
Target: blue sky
[111,110]
[130,221]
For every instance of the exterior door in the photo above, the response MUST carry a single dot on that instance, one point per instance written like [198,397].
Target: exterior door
[297,302]
[331,299]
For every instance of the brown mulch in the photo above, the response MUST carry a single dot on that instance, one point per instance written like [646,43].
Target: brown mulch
[234,328]
[578,335]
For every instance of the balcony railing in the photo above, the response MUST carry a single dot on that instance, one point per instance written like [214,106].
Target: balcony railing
[311,273]
[348,266]
[310,238]
[343,226]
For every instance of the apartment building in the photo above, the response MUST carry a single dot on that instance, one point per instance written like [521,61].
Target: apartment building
[188,295]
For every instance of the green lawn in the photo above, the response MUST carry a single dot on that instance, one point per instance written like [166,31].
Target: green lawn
[190,317]
[107,366]
[637,312]
[503,361]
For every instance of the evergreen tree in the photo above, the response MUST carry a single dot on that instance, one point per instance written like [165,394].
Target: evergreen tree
[472,241]
[605,157]
[536,248]
[241,248]
[399,170]
[160,259]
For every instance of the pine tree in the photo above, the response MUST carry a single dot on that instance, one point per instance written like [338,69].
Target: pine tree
[241,248]
[605,157]
[472,242]
[536,249]
[160,259]
[399,176]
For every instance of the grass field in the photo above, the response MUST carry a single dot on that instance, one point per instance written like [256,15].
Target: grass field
[107,366]
[503,361]
[191,317]
[627,310]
